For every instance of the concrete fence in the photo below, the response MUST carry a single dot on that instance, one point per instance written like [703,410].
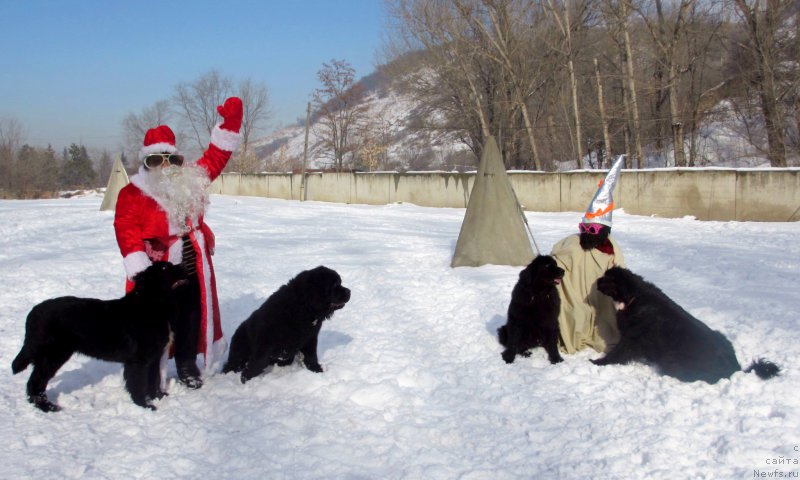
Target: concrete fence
[708,194]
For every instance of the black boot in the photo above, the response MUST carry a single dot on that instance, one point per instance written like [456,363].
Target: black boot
[189,374]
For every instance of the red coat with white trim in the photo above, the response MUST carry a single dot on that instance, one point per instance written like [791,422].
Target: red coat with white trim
[145,234]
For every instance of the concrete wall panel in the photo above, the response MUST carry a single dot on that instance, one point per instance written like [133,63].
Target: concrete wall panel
[707,194]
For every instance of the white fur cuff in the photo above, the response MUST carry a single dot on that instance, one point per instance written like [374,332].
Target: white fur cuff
[135,262]
[225,139]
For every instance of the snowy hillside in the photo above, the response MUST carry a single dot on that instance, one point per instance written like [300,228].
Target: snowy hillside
[394,118]
[414,386]
[391,116]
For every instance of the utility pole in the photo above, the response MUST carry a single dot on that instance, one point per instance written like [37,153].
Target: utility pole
[303,186]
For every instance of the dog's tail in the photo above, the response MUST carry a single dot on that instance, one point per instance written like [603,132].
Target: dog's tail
[22,361]
[764,369]
[502,335]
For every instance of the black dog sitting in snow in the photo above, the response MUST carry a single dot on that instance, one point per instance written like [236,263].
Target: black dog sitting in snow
[133,330]
[287,323]
[533,311]
[656,330]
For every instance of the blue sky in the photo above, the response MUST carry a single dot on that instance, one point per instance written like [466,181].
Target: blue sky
[71,70]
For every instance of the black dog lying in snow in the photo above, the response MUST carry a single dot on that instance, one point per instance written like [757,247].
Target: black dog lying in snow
[533,311]
[656,330]
[287,323]
[133,330]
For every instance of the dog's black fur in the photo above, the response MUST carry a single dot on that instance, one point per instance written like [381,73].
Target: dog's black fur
[287,323]
[533,311]
[133,330]
[657,331]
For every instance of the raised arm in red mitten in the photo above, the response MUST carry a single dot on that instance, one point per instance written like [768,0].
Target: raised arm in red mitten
[225,138]
[231,112]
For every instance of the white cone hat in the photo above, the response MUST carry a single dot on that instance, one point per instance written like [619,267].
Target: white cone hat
[602,205]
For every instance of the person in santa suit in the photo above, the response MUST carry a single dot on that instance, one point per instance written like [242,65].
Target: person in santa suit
[159,217]
[587,317]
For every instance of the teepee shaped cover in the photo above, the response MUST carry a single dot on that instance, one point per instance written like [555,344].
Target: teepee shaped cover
[602,205]
[117,180]
[493,230]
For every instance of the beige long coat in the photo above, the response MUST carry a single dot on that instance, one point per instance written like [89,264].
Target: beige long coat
[587,317]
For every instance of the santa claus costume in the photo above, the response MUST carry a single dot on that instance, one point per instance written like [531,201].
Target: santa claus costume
[159,216]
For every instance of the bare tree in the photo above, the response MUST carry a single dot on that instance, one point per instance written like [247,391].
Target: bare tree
[704,62]
[337,102]
[569,23]
[462,78]
[766,26]
[134,126]
[617,13]
[601,105]
[12,136]
[667,29]
[255,101]
[504,34]
[196,104]
[449,77]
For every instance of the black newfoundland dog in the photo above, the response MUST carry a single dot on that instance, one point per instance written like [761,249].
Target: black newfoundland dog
[133,330]
[533,311]
[287,323]
[657,331]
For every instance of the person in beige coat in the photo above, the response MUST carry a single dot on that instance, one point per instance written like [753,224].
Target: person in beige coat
[587,318]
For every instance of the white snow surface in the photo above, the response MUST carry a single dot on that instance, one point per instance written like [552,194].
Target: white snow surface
[414,386]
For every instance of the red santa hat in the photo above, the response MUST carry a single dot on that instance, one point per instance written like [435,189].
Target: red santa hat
[158,140]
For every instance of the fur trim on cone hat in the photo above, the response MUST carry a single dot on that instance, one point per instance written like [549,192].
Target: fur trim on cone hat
[158,140]
[602,205]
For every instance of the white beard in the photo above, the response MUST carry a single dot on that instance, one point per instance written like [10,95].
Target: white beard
[181,191]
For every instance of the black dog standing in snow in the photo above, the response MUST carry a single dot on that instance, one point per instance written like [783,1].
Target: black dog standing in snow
[533,311]
[133,330]
[286,324]
[656,330]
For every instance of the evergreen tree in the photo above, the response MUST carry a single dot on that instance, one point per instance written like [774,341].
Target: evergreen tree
[47,180]
[77,171]
[36,172]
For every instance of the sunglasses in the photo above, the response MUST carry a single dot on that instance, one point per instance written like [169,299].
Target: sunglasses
[593,228]
[156,160]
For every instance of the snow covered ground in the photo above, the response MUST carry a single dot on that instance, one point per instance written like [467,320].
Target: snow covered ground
[414,386]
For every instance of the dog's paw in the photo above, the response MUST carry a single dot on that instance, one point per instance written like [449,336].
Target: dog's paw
[508,356]
[315,367]
[159,395]
[42,403]
[555,360]
[144,403]
[598,361]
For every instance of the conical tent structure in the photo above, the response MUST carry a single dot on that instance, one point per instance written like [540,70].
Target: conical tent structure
[117,180]
[493,231]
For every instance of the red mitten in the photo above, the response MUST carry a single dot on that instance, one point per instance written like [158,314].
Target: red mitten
[231,113]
